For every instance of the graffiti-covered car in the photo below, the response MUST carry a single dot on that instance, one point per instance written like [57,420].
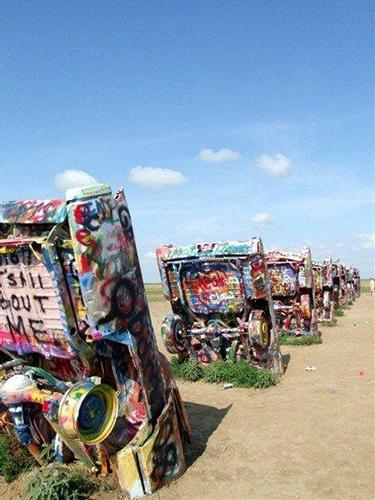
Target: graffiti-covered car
[318,284]
[293,292]
[356,282]
[323,279]
[78,358]
[350,289]
[339,285]
[221,302]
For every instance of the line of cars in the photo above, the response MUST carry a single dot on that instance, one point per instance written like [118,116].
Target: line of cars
[336,286]
[79,365]
[233,299]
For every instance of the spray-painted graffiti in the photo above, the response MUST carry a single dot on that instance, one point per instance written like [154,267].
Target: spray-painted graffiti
[72,296]
[212,288]
[112,286]
[214,298]
[283,279]
[33,212]
[293,290]
[30,319]
[356,282]
[324,291]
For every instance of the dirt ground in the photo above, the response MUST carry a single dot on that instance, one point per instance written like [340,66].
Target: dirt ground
[311,436]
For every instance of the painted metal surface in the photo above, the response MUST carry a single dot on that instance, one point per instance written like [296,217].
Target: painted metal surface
[73,310]
[325,307]
[31,313]
[220,296]
[343,286]
[293,291]
[33,212]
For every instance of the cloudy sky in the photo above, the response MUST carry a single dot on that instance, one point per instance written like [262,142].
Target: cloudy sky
[222,120]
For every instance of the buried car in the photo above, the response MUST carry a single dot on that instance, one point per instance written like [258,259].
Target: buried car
[339,285]
[350,285]
[293,291]
[221,302]
[79,366]
[356,282]
[323,281]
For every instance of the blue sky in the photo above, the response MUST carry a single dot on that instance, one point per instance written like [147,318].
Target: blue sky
[222,120]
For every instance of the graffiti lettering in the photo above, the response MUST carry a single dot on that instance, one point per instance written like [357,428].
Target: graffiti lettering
[283,279]
[34,211]
[214,289]
[29,312]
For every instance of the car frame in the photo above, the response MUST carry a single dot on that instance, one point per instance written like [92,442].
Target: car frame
[356,282]
[324,291]
[221,303]
[79,362]
[293,291]
[339,285]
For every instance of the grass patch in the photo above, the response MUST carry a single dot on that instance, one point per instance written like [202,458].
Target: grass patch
[339,312]
[285,339]
[240,373]
[188,369]
[14,458]
[55,482]
[328,324]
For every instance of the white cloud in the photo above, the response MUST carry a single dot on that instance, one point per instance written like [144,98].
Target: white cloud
[156,177]
[277,166]
[74,179]
[261,218]
[367,240]
[150,255]
[220,156]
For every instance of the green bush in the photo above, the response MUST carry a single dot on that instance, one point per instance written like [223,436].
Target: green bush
[57,482]
[339,312]
[240,373]
[303,340]
[14,458]
[188,369]
[48,452]
[328,324]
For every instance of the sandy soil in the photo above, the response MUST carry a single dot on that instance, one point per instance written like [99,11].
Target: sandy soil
[312,436]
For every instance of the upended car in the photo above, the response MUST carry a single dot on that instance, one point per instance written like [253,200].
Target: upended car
[323,277]
[221,303]
[339,285]
[293,291]
[356,282]
[79,366]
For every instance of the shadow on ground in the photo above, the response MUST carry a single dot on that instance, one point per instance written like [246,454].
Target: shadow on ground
[286,360]
[204,421]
